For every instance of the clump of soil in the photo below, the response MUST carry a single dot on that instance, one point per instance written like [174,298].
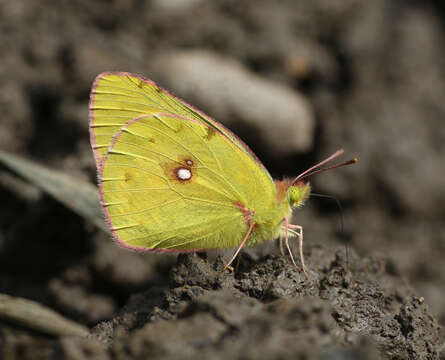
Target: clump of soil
[268,309]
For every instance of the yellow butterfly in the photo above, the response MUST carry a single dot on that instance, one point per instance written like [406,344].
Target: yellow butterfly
[172,179]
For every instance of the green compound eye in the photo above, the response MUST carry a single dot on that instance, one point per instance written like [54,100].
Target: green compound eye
[299,193]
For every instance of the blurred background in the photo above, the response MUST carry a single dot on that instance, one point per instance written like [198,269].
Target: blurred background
[296,80]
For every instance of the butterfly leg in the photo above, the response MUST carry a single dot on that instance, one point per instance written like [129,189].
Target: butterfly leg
[240,246]
[300,243]
[286,241]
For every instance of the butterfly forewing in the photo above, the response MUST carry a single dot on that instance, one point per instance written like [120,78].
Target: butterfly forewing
[117,98]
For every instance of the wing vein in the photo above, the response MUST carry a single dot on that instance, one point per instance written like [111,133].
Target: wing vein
[192,152]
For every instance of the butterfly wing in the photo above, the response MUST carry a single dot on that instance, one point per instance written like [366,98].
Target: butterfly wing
[170,179]
[117,97]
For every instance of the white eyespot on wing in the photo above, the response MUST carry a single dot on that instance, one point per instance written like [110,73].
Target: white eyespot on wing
[184,174]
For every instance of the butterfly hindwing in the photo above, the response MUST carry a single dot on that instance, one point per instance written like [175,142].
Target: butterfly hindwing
[147,202]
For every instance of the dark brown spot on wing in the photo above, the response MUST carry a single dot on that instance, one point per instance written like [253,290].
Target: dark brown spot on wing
[210,133]
[248,214]
[181,171]
[128,176]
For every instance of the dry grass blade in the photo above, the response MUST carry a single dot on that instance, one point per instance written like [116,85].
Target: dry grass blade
[32,315]
[79,196]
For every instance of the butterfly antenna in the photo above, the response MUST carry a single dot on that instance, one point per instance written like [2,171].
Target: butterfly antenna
[340,208]
[314,169]
[342,227]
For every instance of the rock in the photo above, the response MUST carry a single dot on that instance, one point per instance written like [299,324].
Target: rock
[282,119]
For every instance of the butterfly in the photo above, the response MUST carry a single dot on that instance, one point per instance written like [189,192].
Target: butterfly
[172,179]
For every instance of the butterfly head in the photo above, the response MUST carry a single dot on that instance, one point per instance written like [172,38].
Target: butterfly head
[298,193]
[298,190]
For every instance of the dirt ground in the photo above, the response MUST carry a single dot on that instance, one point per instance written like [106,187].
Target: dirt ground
[366,76]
